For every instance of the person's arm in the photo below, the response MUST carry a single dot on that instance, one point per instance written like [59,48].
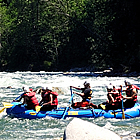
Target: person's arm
[75,87]
[110,98]
[80,94]
[40,103]
[25,100]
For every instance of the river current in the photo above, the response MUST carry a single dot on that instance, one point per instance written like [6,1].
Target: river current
[49,128]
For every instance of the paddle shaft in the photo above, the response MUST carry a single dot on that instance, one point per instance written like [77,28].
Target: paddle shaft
[65,111]
[123,115]
[19,96]
[2,109]
[6,105]
[71,94]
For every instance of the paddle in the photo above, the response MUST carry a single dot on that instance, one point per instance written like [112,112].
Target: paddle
[8,105]
[18,97]
[71,99]
[71,94]
[103,106]
[37,108]
[123,115]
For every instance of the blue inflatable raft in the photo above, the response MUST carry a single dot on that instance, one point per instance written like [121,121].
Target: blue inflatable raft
[19,111]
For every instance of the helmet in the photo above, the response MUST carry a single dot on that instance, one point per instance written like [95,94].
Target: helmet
[49,88]
[86,84]
[129,84]
[26,89]
[110,87]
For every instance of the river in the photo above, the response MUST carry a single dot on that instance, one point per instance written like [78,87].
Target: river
[49,128]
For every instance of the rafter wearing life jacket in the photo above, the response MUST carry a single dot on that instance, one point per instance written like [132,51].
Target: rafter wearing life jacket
[85,93]
[135,87]
[129,93]
[46,97]
[117,97]
[32,101]
[114,97]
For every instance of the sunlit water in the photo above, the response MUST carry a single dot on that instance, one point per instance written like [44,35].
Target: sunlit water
[50,128]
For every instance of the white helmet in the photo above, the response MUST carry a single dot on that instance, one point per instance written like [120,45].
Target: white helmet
[109,87]
[49,87]
[26,89]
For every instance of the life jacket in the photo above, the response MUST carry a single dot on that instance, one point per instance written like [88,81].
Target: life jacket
[87,94]
[46,97]
[135,87]
[116,96]
[55,101]
[32,102]
[129,94]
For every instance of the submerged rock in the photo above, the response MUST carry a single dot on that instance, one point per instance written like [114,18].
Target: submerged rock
[79,129]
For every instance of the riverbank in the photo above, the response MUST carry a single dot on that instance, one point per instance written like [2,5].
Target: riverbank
[103,73]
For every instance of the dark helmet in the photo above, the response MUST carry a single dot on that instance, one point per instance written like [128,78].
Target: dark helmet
[129,84]
[86,84]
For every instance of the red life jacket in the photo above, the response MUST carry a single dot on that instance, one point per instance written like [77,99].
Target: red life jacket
[117,97]
[129,94]
[46,97]
[55,101]
[32,102]
[135,87]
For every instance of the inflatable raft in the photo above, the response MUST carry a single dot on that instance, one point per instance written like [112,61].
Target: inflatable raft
[19,111]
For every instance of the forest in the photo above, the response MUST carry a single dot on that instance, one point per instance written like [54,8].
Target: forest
[58,35]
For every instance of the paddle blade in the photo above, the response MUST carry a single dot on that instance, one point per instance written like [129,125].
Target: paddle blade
[2,110]
[37,108]
[7,105]
[103,107]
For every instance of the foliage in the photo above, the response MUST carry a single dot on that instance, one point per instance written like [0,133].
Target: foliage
[62,34]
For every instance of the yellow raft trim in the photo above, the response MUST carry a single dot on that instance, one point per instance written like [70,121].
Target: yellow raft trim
[72,112]
[32,113]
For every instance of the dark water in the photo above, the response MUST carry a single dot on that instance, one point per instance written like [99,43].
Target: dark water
[50,128]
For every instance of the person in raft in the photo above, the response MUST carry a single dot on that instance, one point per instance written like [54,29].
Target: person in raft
[133,86]
[114,99]
[131,95]
[29,99]
[86,96]
[49,99]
